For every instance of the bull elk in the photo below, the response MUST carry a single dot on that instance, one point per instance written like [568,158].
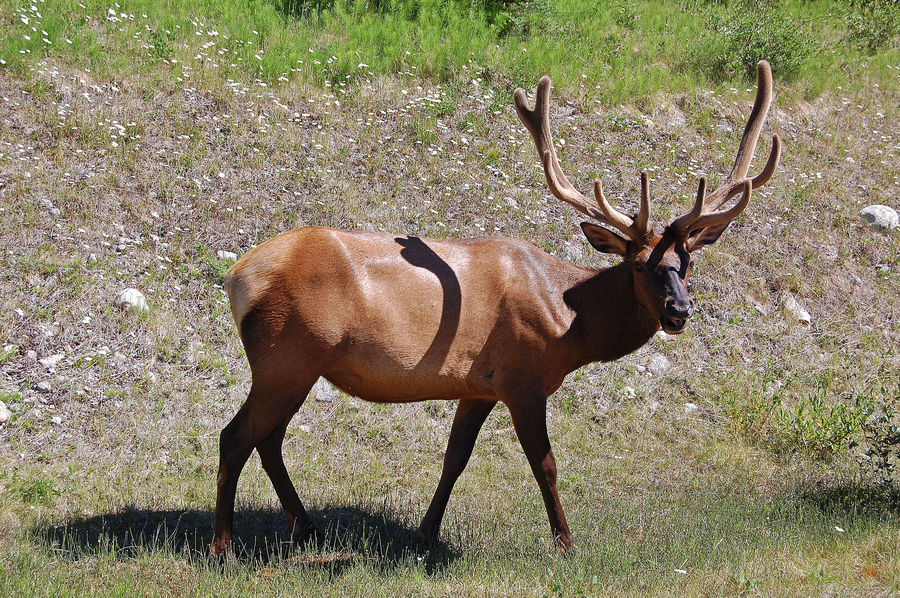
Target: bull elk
[398,319]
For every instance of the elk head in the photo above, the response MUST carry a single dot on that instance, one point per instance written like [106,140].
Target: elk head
[659,263]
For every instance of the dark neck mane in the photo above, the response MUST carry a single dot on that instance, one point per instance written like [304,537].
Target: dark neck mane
[609,321]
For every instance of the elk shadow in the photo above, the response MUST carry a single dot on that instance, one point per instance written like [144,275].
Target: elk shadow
[420,255]
[351,534]
[863,500]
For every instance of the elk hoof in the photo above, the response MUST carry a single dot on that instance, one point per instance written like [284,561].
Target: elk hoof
[566,545]
[308,536]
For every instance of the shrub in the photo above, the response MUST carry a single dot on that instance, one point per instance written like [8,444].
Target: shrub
[873,24]
[738,36]
[882,440]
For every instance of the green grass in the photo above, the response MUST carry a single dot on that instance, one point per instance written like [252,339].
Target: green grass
[621,52]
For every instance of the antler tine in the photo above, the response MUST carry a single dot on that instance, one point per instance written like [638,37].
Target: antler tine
[612,216]
[537,121]
[749,139]
[683,224]
[744,186]
[643,215]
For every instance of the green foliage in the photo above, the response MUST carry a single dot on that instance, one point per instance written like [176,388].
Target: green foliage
[821,427]
[882,440]
[873,24]
[31,491]
[741,34]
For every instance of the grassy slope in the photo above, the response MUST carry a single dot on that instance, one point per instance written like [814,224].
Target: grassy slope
[156,165]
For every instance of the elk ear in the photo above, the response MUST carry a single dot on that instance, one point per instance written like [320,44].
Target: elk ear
[604,239]
[705,236]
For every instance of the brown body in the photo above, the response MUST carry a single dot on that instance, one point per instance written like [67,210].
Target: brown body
[392,318]
[446,312]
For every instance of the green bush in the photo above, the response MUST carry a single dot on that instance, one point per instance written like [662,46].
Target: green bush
[739,35]
[873,24]
[882,440]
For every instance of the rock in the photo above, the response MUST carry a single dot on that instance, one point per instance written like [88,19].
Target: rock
[55,212]
[658,364]
[49,362]
[31,355]
[43,386]
[690,407]
[131,299]
[795,310]
[628,392]
[324,391]
[57,420]
[573,251]
[881,218]
[664,336]
[226,255]
[5,413]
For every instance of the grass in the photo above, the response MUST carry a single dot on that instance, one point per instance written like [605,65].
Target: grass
[133,155]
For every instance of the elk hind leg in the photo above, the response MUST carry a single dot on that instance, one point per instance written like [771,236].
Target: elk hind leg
[270,454]
[257,419]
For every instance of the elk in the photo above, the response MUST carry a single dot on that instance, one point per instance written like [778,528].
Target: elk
[397,319]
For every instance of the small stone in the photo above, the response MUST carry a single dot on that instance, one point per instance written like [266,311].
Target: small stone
[18,311]
[690,407]
[57,420]
[49,362]
[573,251]
[92,258]
[46,202]
[119,357]
[658,364]
[55,212]
[628,392]
[226,255]
[43,386]
[31,355]
[881,218]
[304,428]
[323,391]
[795,310]
[664,336]
[5,413]
[131,299]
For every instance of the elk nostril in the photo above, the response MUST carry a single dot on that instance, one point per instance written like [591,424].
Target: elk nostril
[679,309]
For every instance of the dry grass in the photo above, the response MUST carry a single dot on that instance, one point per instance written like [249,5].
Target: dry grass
[152,177]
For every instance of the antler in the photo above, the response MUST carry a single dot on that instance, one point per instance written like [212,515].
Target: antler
[737,182]
[537,122]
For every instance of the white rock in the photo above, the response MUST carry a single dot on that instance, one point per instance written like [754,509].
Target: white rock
[573,251]
[628,392]
[5,413]
[131,299]
[43,386]
[795,310]
[658,364]
[324,391]
[57,420]
[55,212]
[304,428]
[662,335]
[881,218]
[226,255]
[690,407]
[49,362]
[31,355]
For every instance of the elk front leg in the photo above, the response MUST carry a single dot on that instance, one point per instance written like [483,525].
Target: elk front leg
[470,416]
[530,422]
